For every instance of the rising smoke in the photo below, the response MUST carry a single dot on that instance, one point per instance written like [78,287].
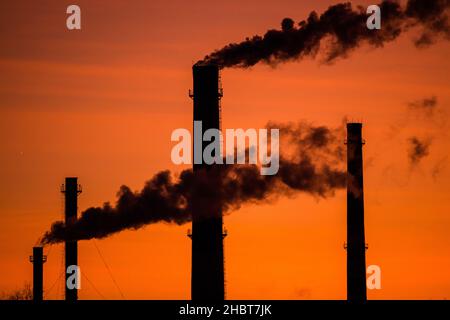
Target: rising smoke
[314,165]
[336,32]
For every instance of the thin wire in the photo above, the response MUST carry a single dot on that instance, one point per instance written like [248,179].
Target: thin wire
[49,250]
[61,288]
[47,292]
[107,267]
[61,267]
[84,275]
[38,242]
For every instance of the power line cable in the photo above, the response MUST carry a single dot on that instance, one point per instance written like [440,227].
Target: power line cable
[47,292]
[107,268]
[92,285]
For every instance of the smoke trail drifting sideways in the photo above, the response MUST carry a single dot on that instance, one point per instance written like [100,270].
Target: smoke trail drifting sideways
[436,117]
[314,166]
[342,28]
[426,105]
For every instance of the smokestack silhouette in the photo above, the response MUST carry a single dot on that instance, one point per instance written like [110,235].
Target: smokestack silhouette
[71,189]
[356,245]
[344,29]
[38,259]
[314,167]
[208,281]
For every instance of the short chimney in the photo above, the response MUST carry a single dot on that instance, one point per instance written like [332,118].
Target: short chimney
[38,260]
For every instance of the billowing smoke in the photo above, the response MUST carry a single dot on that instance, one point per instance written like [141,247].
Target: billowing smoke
[418,149]
[336,32]
[314,165]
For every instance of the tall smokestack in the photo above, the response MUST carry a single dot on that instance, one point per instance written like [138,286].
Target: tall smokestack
[207,278]
[356,246]
[38,260]
[71,189]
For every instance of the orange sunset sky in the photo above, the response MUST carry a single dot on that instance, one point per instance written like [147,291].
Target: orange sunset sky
[101,104]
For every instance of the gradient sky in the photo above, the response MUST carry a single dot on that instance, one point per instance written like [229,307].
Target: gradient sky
[101,104]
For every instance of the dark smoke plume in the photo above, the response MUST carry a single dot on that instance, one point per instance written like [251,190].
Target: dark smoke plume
[314,166]
[338,31]
[426,105]
[418,149]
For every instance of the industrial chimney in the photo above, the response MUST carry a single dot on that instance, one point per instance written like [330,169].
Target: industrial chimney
[38,260]
[356,246]
[71,189]
[207,278]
